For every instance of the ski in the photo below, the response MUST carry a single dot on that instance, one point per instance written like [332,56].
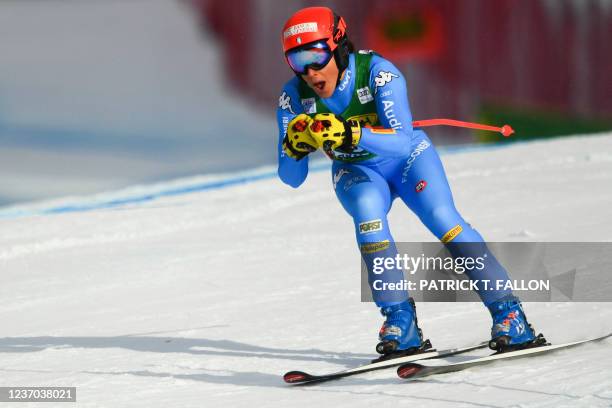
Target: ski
[429,367]
[300,377]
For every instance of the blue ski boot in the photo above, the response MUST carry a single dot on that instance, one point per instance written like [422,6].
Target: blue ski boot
[510,330]
[400,334]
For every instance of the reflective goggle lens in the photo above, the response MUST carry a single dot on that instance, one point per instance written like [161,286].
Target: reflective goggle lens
[315,56]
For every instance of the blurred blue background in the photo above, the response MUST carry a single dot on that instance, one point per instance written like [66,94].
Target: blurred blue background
[100,94]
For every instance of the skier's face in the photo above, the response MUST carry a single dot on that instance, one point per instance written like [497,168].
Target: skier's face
[322,81]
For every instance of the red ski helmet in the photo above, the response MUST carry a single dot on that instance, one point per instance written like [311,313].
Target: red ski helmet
[314,24]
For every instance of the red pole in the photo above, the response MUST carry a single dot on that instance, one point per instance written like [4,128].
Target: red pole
[505,130]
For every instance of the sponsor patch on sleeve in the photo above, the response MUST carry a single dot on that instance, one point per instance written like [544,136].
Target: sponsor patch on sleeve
[383,131]
[284,102]
[383,78]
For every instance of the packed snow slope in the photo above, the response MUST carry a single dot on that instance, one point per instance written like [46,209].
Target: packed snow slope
[207,298]
[127,91]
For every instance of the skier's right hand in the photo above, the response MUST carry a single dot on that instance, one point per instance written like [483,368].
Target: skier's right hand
[298,142]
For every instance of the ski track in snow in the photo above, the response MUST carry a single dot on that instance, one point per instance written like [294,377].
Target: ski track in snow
[208,298]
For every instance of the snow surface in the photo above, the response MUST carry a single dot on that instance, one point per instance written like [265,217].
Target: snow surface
[206,299]
[125,91]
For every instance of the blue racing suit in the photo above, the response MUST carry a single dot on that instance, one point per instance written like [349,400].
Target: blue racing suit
[403,164]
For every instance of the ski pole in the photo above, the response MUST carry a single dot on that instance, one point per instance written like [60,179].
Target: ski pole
[505,130]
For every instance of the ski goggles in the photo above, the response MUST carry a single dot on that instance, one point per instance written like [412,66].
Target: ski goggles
[316,56]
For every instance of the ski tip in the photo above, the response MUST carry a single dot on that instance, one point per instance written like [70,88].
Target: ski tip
[408,370]
[295,377]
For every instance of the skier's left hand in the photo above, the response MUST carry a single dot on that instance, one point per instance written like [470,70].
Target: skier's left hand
[332,132]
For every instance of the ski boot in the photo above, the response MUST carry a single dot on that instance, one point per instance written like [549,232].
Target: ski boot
[400,334]
[510,330]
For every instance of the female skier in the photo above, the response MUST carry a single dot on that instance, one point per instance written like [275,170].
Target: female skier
[334,102]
